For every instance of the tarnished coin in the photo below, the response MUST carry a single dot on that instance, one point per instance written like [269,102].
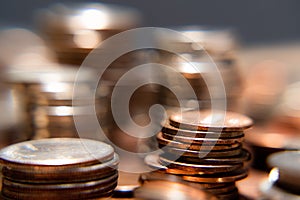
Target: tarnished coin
[56,152]
[218,178]
[200,154]
[167,190]
[73,174]
[204,141]
[172,130]
[210,120]
[175,167]
[191,146]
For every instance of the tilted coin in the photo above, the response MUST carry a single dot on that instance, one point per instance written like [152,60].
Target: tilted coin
[218,178]
[200,154]
[204,141]
[191,146]
[175,167]
[244,156]
[210,120]
[167,128]
[56,152]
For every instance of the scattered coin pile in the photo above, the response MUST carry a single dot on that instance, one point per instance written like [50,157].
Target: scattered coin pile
[284,178]
[58,168]
[206,148]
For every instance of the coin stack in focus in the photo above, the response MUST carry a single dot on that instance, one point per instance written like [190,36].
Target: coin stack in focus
[203,56]
[284,178]
[58,168]
[200,148]
[46,97]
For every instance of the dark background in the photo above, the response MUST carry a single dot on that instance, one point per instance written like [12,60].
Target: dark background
[257,21]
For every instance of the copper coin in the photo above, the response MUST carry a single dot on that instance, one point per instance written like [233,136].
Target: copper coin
[56,152]
[204,141]
[197,147]
[199,134]
[74,174]
[218,178]
[175,167]
[238,159]
[200,154]
[210,120]
[170,190]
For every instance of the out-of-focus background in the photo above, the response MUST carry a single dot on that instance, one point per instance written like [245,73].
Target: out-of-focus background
[256,45]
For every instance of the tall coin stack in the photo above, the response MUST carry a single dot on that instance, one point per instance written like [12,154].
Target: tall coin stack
[198,147]
[46,97]
[64,168]
[202,54]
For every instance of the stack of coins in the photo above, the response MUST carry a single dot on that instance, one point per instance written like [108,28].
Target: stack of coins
[210,52]
[73,30]
[58,168]
[46,97]
[202,148]
[284,178]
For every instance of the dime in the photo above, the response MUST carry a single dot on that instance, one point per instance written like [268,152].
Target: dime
[210,120]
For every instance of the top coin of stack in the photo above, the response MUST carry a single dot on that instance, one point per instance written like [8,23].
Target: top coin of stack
[73,30]
[58,168]
[206,148]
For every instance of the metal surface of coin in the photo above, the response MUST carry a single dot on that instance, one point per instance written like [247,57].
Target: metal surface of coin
[197,147]
[165,190]
[210,120]
[74,174]
[218,178]
[56,152]
[200,154]
[199,134]
[244,156]
[188,168]
[204,141]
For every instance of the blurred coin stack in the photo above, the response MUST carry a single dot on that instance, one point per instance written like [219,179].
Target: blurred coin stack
[73,30]
[284,178]
[200,148]
[64,168]
[46,97]
[203,56]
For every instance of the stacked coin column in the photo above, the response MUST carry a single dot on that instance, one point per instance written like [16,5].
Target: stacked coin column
[199,151]
[64,168]
[47,101]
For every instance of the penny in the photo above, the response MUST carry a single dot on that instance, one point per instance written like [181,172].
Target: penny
[56,152]
[74,174]
[167,128]
[175,167]
[204,141]
[210,120]
[200,154]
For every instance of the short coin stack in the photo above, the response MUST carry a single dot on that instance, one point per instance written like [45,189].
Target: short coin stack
[58,168]
[200,148]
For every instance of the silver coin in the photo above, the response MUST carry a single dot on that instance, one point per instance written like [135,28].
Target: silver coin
[56,152]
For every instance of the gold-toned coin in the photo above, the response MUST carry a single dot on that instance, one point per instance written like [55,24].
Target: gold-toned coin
[55,152]
[210,120]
